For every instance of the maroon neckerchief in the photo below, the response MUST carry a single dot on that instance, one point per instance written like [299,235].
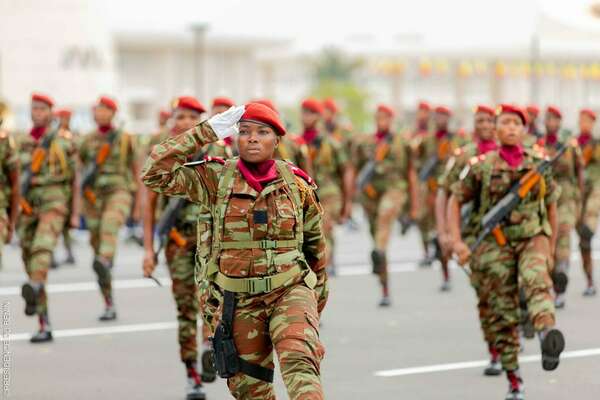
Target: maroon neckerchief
[309,135]
[258,174]
[485,146]
[228,140]
[551,139]
[104,129]
[381,135]
[440,134]
[513,155]
[584,138]
[37,132]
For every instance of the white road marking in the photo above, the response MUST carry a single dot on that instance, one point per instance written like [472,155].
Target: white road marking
[89,286]
[105,330]
[476,364]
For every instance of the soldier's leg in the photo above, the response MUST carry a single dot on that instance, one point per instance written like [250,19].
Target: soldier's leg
[253,343]
[534,278]
[589,223]
[208,370]
[389,208]
[370,209]
[3,231]
[332,206]
[566,223]
[68,242]
[114,212]
[294,328]
[26,228]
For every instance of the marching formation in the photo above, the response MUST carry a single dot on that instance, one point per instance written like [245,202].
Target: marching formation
[245,214]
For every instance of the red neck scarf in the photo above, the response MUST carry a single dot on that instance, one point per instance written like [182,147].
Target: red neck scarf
[37,132]
[584,138]
[228,140]
[484,146]
[381,135]
[440,134]
[551,139]
[104,129]
[258,174]
[513,155]
[310,134]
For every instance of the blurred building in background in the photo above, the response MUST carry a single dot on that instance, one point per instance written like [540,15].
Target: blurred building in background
[74,55]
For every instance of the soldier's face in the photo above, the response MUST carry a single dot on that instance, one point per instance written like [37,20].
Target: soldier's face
[531,117]
[185,119]
[383,121]
[65,122]
[422,116]
[328,115]
[309,118]
[256,142]
[103,115]
[484,126]
[218,110]
[552,123]
[41,113]
[441,120]
[586,123]
[509,129]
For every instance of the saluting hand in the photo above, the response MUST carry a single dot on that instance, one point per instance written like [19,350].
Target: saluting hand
[224,124]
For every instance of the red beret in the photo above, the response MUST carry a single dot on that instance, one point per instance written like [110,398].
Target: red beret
[223,101]
[423,105]
[266,102]
[256,112]
[63,113]
[554,111]
[588,112]
[481,108]
[512,109]
[189,103]
[42,98]
[107,102]
[164,113]
[386,109]
[313,105]
[533,110]
[330,105]
[443,110]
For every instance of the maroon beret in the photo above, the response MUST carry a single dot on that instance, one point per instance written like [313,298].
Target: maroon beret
[256,112]
[42,98]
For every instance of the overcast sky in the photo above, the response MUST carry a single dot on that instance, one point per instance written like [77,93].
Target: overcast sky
[313,23]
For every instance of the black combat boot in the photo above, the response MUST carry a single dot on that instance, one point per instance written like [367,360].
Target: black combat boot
[553,344]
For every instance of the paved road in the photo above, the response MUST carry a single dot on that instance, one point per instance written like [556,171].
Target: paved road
[427,346]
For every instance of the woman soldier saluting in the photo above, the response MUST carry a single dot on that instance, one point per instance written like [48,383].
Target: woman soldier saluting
[266,267]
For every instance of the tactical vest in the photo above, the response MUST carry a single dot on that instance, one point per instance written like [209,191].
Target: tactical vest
[209,263]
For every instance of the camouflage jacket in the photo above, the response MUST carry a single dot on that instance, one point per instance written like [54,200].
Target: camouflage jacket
[565,169]
[591,161]
[52,186]
[489,178]
[249,217]
[115,173]
[328,161]
[8,164]
[391,172]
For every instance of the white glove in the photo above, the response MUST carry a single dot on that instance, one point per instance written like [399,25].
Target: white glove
[224,124]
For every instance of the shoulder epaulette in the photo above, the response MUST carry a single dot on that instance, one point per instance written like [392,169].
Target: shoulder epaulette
[476,159]
[206,159]
[299,172]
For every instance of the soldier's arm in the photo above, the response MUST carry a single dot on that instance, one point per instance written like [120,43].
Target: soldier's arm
[164,170]
[314,246]
[74,164]
[135,171]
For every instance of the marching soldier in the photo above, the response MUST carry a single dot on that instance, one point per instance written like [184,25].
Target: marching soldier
[9,184]
[267,263]
[180,252]
[457,166]
[331,170]
[333,127]
[588,222]
[48,190]
[109,157]
[386,177]
[520,250]
[568,173]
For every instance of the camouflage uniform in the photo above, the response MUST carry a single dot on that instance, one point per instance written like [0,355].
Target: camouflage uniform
[48,195]
[295,152]
[524,260]
[113,189]
[8,164]
[328,162]
[565,173]
[291,251]
[386,194]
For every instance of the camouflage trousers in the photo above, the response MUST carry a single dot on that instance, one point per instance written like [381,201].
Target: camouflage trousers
[481,283]
[3,231]
[104,220]
[590,212]
[426,219]
[520,264]
[286,320]
[181,264]
[332,207]
[567,216]
[382,213]
[38,235]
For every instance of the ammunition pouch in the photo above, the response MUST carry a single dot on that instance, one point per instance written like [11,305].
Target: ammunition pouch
[227,361]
